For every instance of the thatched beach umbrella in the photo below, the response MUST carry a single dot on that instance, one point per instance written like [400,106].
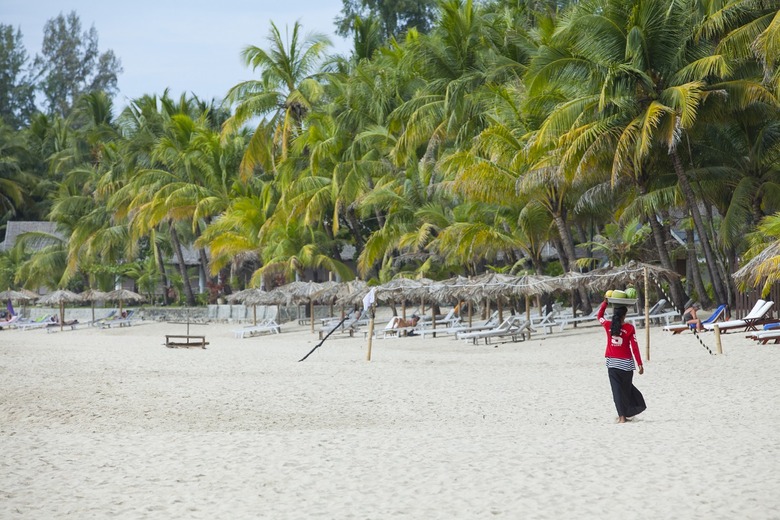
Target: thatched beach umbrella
[495,286]
[351,294]
[241,296]
[397,290]
[123,295]
[20,295]
[60,297]
[92,296]
[29,295]
[762,269]
[621,275]
[10,294]
[302,293]
[530,285]
[255,297]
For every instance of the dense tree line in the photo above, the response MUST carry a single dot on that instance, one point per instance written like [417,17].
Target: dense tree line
[455,138]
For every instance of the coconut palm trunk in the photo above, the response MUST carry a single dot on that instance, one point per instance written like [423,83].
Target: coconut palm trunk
[163,274]
[693,208]
[568,247]
[693,269]
[182,267]
[675,286]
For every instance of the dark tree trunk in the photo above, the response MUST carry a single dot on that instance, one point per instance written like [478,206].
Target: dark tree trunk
[568,247]
[695,274]
[675,286]
[693,208]
[163,273]
[182,266]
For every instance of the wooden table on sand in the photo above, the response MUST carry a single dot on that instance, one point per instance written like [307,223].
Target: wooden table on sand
[186,341]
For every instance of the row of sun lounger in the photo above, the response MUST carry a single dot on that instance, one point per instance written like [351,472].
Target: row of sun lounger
[758,315]
[262,327]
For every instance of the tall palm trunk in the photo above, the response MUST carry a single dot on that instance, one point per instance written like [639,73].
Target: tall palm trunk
[675,286]
[182,267]
[163,273]
[203,266]
[693,266]
[354,226]
[568,247]
[690,200]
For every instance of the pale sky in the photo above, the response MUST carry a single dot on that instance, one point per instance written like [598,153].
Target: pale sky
[191,46]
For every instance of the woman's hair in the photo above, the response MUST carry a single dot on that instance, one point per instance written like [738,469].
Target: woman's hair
[617,320]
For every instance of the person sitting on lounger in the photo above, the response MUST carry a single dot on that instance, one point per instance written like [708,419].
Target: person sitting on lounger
[397,322]
[690,317]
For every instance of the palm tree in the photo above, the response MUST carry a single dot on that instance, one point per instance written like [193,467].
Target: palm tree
[284,94]
[12,176]
[634,76]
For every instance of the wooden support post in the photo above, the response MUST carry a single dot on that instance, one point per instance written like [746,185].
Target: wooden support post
[647,319]
[527,308]
[370,333]
[311,314]
[433,317]
[718,344]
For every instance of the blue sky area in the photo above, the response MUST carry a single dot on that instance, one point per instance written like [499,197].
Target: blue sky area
[191,46]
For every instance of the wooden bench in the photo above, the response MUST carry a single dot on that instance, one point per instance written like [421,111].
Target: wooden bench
[175,341]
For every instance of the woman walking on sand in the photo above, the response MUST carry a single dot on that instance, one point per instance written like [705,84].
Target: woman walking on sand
[621,343]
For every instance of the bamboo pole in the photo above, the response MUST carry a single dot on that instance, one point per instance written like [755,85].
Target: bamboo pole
[717,339]
[527,308]
[370,333]
[311,314]
[647,319]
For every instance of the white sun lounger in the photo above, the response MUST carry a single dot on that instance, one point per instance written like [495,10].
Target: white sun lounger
[513,327]
[263,326]
[41,322]
[749,322]
[491,323]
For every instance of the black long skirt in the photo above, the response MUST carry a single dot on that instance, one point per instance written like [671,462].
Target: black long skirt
[628,399]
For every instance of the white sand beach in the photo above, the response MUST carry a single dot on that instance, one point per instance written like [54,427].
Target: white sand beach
[111,424]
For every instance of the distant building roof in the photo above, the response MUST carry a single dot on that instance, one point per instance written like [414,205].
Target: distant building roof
[14,228]
[191,255]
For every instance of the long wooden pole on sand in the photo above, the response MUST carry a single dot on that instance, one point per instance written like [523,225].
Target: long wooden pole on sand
[370,332]
[647,319]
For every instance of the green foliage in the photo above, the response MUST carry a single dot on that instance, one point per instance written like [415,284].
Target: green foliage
[70,64]
[395,16]
[620,243]
[17,96]
[477,137]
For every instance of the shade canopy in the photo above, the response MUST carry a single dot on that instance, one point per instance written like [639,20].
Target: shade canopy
[621,275]
[762,269]
[93,295]
[18,294]
[60,298]
[123,295]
